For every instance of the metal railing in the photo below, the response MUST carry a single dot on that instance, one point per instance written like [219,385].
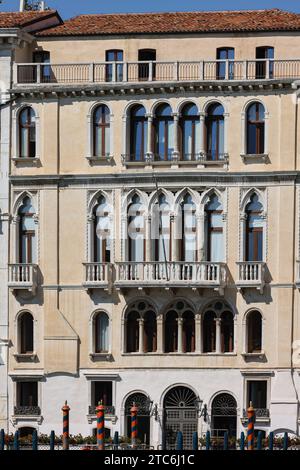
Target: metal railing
[197,158]
[259,413]
[27,410]
[109,410]
[181,273]
[167,71]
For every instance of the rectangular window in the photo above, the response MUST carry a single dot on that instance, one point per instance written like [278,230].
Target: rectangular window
[43,57]
[114,56]
[257,393]
[264,52]
[144,56]
[27,393]
[225,54]
[102,391]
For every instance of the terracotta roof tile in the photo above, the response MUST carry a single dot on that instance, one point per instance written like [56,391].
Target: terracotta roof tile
[180,22]
[22,19]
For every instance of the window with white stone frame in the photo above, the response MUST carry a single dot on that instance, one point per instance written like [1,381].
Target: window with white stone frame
[26,134]
[100,143]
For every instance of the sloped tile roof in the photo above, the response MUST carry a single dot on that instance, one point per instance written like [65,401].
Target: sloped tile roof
[22,19]
[180,22]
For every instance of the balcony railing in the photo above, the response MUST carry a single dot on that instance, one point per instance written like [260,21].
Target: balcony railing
[251,274]
[109,410]
[259,413]
[133,72]
[27,410]
[181,159]
[97,275]
[170,274]
[22,276]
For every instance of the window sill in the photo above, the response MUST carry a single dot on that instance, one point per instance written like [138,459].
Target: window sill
[27,418]
[254,355]
[30,357]
[101,356]
[100,160]
[255,158]
[32,160]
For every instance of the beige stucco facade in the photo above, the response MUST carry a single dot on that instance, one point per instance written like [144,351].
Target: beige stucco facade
[63,183]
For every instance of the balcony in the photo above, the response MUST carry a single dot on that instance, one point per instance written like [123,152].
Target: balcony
[168,275]
[109,410]
[251,275]
[22,276]
[199,159]
[151,72]
[98,276]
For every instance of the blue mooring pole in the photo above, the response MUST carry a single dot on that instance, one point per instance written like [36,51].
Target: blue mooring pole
[259,440]
[179,442]
[285,441]
[207,443]
[16,441]
[52,440]
[2,439]
[271,441]
[34,440]
[195,441]
[116,441]
[225,442]
[242,443]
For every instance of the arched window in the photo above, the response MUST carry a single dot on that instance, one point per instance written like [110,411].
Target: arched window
[189,126]
[101,331]
[215,132]
[102,232]
[254,230]
[161,231]
[224,415]
[136,230]
[27,133]
[101,127]
[254,332]
[25,322]
[132,332]
[209,332]
[171,332]
[138,133]
[150,332]
[188,329]
[227,332]
[27,238]
[163,133]
[214,230]
[255,129]
[188,241]
[143,403]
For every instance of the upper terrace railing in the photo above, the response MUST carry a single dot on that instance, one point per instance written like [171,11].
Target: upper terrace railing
[134,72]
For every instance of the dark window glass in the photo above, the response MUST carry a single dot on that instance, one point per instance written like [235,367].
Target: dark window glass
[254,230]
[132,332]
[209,332]
[27,393]
[215,132]
[102,391]
[227,331]
[163,133]
[146,55]
[43,57]
[26,333]
[138,133]
[189,127]
[254,332]
[257,393]
[188,330]
[114,56]
[225,54]
[255,129]
[171,332]
[27,240]
[150,332]
[264,52]
[101,131]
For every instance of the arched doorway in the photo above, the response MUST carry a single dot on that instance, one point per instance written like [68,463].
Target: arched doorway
[223,415]
[180,414]
[142,402]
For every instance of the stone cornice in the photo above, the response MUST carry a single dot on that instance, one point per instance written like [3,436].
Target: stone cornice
[151,88]
[192,178]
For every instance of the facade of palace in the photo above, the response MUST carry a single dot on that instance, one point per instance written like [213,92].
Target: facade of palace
[150,206]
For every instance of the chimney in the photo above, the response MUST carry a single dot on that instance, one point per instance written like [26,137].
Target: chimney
[22,5]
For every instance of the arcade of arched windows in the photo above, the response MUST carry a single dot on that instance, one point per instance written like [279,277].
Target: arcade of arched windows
[179,328]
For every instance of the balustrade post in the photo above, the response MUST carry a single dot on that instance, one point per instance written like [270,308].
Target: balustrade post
[92,72]
[114,72]
[125,72]
[176,71]
[38,73]
[201,70]
[150,78]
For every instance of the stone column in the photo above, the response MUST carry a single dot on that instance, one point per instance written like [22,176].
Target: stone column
[160,334]
[175,154]
[198,334]
[218,335]
[180,334]
[150,151]
[141,335]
